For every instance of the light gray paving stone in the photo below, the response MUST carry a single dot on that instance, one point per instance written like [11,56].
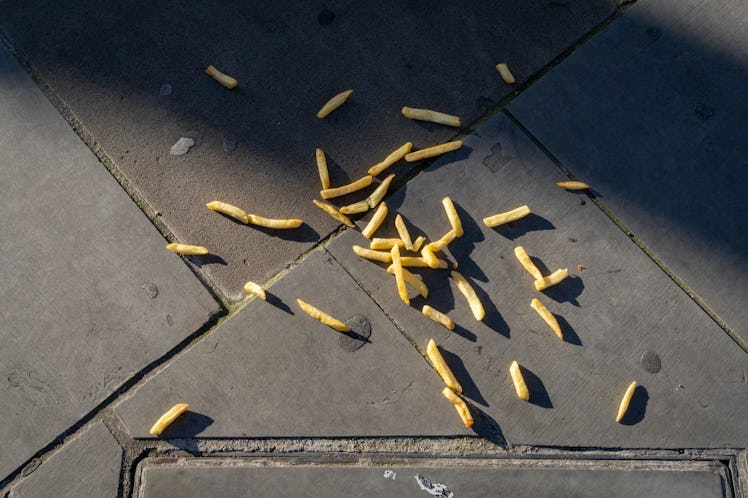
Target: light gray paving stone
[89,294]
[652,114]
[613,312]
[273,371]
[504,478]
[87,466]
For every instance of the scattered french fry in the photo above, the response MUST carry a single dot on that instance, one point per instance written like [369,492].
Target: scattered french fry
[418,243]
[438,317]
[552,279]
[376,221]
[334,103]
[355,208]
[454,218]
[324,174]
[255,290]
[187,250]
[359,184]
[381,256]
[167,418]
[437,150]
[224,208]
[279,224]
[472,298]
[220,77]
[380,191]
[437,361]
[402,231]
[391,159]
[411,279]
[398,270]
[460,405]
[416,262]
[433,116]
[527,263]
[624,406]
[386,244]
[519,382]
[573,185]
[443,242]
[509,216]
[546,315]
[322,316]
[428,256]
[505,73]
[332,211]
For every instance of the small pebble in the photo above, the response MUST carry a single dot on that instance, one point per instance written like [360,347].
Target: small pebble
[165,89]
[182,146]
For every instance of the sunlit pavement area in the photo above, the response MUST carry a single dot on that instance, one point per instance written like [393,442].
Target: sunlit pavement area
[103,329]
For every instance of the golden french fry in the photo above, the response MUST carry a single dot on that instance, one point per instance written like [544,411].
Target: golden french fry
[376,221]
[279,224]
[224,208]
[527,263]
[359,184]
[187,250]
[432,351]
[220,77]
[332,211]
[324,174]
[519,382]
[381,256]
[387,244]
[438,317]
[428,256]
[355,208]
[505,73]
[551,279]
[322,316]
[509,216]
[419,262]
[440,244]
[414,280]
[255,289]
[380,191]
[402,231]
[624,406]
[391,159]
[334,103]
[454,218]
[398,270]
[418,243]
[472,298]
[433,151]
[546,315]
[573,185]
[460,405]
[433,116]
[167,418]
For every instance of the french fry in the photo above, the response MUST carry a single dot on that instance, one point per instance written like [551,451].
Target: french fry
[322,316]
[224,208]
[359,184]
[546,315]
[509,216]
[391,159]
[387,244]
[624,406]
[454,218]
[398,270]
[519,382]
[527,263]
[402,231]
[551,279]
[187,250]
[472,298]
[438,317]
[437,150]
[334,103]
[376,221]
[418,243]
[414,280]
[437,361]
[428,256]
[330,209]
[220,77]
[460,405]
[380,191]
[381,256]
[324,174]
[255,290]
[573,185]
[355,208]
[167,418]
[269,223]
[505,73]
[443,242]
[433,116]
[416,262]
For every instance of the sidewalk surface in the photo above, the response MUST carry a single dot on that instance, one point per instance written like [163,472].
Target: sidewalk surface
[103,329]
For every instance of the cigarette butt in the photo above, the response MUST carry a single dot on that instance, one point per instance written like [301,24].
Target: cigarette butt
[376,221]
[429,115]
[324,174]
[573,185]
[433,151]
[167,418]
[509,216]
[624,406]
[220,77]
[552,279]
[519,382]
[391,159]
[359,184]
[255,290]
[505,73]
[334,103]
[332,211]
[187,250]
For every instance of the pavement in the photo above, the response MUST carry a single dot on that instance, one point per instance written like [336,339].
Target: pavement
[103,329]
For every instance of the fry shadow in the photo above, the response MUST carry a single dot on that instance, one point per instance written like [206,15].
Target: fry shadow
[465,333]
[188,425]
[462,247]
[493,318]
[304,233]
[208,259]
[486,427]
[530,223]
[568,332]
[568,290]
[469,389]
[637,407]
[277,302]
[538,393]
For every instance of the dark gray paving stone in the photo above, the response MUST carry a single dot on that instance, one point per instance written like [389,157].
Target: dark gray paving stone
[613,312]
[272,371]
[110,66]
[87,466]
[89,294]
[504,478]
[652,114]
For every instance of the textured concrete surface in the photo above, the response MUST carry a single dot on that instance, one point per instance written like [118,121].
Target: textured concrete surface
[89,465]
[109,66]
[89,295]
[652,114]
[620,316]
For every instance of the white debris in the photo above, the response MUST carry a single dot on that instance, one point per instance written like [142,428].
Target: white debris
[390,474]
[433,488]
[182,146]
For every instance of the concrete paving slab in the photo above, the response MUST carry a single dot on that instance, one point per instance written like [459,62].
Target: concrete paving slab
[623,319]
[89,295]
[652,114]
[273,371]
[132,74]
[87,466]
[436,478]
